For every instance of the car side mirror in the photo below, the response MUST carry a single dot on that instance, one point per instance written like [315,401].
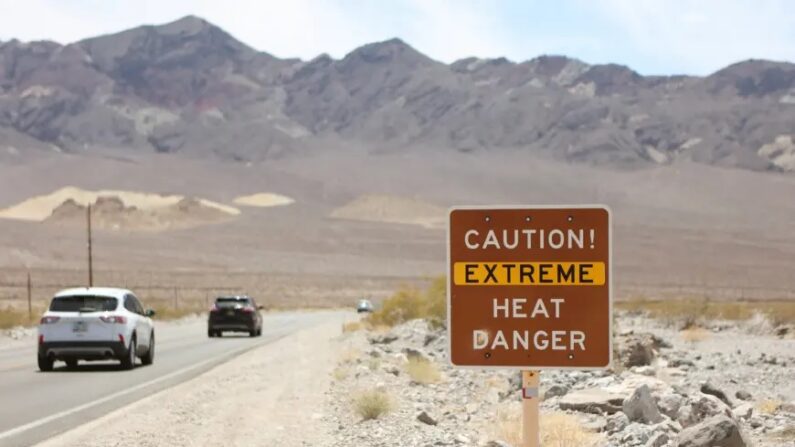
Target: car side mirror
[149,312]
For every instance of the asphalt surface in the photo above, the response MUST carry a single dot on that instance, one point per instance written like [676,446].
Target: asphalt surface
[35,406]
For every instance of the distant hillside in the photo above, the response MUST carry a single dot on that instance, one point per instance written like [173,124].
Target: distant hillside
[189,87]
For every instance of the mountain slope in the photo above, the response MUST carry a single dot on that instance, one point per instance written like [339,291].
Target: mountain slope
[189,87]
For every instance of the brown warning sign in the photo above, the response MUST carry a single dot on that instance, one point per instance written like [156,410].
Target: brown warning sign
[530,287]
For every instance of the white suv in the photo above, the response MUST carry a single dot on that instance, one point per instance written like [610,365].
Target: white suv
[96,324]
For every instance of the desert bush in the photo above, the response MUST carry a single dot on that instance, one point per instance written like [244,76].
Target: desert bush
[352,326]
[768,406]
[557,429]
[423,371]
[694,334]
[410,303]
[688,313]
[11,317]
[371,404]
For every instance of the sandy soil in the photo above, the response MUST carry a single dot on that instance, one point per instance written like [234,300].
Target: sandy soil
[41,207]
[393,209]
[269,396]
[263,200]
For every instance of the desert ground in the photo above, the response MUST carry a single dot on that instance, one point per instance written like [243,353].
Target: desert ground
[680,231]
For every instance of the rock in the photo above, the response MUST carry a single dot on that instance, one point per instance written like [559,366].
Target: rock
[743,395]
[497,444]
[700,408]
[787,407]
[640,407]
[382,339]
[616,422]
[429,338]
[415,354]
[744,411]
[645,370]
[555,390]
[636,349]
[658,440]
[515,381]
[710,388]
[592,400]
[425,418]
[670,403]
[717,431]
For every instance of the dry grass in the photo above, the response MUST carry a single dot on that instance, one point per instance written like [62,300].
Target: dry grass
[11,317]
[352,326]
[373,363]
[694,334]
[557,429]
[372,404]
[340,373]
[348,356]
[411,303]
[423,371]
[688,312]
[768,406]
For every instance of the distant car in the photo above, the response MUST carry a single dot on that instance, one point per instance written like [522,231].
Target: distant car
[96,323]
[364,306]
[234,314]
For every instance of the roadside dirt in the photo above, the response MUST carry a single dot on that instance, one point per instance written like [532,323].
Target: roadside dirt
[270,396]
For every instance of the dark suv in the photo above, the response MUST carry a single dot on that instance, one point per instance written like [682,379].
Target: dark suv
[234,314]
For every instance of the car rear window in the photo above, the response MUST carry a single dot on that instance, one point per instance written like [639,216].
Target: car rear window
[232,302]
[85,303]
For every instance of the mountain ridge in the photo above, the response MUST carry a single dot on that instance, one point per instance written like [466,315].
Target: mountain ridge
[190,87]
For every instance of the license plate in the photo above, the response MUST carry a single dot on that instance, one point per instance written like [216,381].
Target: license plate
[79,326]
[230,312]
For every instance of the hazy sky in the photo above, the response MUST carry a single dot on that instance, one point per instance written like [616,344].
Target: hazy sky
[651,36]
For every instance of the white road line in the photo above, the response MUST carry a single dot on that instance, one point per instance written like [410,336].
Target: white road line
[53,417]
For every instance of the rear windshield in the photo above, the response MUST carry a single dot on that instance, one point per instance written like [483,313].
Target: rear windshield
[232,301]
[84,303]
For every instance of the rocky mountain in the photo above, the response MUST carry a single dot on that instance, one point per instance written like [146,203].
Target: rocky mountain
[189,87]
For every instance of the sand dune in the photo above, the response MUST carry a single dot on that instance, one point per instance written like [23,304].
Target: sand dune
[40,208]
[263,200]
[392,209]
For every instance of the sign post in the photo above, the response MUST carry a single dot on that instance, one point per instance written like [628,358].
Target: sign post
[529,289]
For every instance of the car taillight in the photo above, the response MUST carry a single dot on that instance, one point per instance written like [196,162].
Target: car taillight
[117,319]
[248,310]
[49,320]
[121,338]
[214,309]
[41,339]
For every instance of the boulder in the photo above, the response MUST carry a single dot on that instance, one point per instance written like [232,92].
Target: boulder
[710,388]
[669,404]
[425,418]
[640,407]
[637,349]
[658,440]
[555,390]
[616,422]
[743,395]
[717,431]
[702,407]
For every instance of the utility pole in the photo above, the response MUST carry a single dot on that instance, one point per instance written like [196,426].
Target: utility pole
[90,260]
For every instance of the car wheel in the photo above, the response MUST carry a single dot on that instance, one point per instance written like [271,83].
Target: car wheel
[71,363]
[45,363]
[210,333]
[149,357]
[128,361]
[252,333]
[259,332]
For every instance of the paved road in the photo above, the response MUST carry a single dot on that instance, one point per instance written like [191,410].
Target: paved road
[35,405]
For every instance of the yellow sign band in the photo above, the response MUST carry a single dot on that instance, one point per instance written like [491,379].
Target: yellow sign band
[529,273]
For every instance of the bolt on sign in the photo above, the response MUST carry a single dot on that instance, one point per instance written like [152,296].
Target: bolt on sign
[530,287]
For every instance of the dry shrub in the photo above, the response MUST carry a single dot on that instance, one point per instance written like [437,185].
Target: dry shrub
[373,364]
[410,303]
[563,430]
[10,317]
[349,355]
[768,406]
[557,429]
[423,371]
[340,373]
[371,404]
[689,312]
[352,326]
[694,334]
